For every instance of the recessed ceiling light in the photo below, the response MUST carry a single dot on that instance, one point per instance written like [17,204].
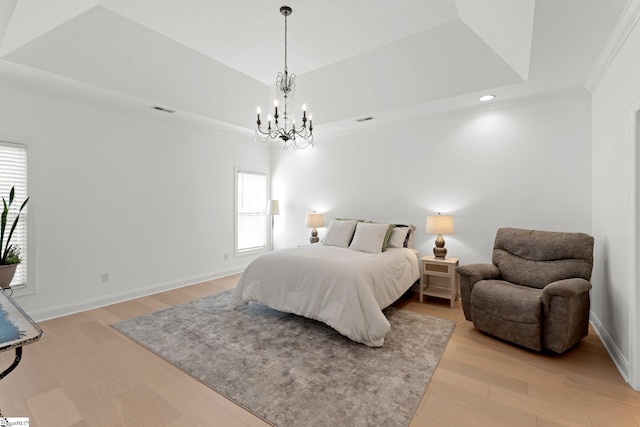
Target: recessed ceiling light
[486,98]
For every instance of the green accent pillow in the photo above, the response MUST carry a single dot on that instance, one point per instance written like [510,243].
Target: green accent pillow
[385,242]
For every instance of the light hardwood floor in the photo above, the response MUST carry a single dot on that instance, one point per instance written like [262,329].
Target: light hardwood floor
[84,373]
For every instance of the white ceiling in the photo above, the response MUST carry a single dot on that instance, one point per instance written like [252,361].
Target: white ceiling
[217,59]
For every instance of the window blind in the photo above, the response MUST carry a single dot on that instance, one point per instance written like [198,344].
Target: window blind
[13,173]
[251,211]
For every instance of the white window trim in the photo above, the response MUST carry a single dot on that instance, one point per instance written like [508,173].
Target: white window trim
[25,267]
[267,246]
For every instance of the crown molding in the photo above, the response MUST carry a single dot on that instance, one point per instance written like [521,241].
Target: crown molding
[49,85]
[618,36]
[435,111]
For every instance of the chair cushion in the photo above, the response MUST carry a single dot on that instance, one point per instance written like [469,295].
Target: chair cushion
[504,300]
[537,258]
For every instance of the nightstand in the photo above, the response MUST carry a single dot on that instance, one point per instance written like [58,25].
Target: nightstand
[438,278]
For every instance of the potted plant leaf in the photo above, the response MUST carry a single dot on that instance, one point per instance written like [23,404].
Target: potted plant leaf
[9,254]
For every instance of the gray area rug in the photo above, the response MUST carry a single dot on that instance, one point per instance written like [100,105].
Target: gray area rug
[292,371]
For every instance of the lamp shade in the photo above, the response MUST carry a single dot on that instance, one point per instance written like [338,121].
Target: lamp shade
[273,208]
[440,224]
[314,220]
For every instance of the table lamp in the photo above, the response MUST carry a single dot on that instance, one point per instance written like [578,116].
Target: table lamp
[314,220]
[440,224]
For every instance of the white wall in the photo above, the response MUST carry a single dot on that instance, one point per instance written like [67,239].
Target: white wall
[145,196]
[525,164]
[614,303]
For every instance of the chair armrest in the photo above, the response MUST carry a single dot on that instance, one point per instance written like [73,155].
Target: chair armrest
[566,288]
[470,274]
[566,307]
[477,272]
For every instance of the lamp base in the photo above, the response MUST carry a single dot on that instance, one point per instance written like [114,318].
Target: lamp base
[440,251]
[314,236]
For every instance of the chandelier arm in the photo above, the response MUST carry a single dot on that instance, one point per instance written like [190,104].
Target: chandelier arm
[259,130]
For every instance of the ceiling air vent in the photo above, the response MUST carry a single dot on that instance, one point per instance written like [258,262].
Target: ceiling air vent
[364,119]
[166,110]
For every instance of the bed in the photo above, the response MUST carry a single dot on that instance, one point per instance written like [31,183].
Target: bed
[344,282]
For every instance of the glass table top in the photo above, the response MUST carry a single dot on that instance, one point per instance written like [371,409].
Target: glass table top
[16,327]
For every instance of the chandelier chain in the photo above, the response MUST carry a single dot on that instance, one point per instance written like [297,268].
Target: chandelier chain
[285,42]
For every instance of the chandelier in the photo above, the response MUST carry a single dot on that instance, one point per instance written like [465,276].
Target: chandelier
[284,126]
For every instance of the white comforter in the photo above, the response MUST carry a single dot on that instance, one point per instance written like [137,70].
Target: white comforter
[344,288]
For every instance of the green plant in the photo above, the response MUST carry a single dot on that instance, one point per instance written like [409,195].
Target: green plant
[9,254]
[13,256]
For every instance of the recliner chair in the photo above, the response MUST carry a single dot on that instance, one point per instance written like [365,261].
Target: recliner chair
[536,292]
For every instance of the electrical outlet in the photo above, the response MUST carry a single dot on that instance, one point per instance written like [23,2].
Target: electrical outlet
[226,257]
[104,277]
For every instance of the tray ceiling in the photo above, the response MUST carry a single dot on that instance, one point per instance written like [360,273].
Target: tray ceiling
[219,59]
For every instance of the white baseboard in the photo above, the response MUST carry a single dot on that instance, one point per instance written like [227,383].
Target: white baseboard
[92,303]
[616,355]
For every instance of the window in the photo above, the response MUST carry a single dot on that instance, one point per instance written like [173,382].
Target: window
[251,215]
[13,173]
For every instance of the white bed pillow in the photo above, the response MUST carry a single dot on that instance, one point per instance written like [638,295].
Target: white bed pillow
[408,241]
[339,233]
[369,237]
[398,235]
